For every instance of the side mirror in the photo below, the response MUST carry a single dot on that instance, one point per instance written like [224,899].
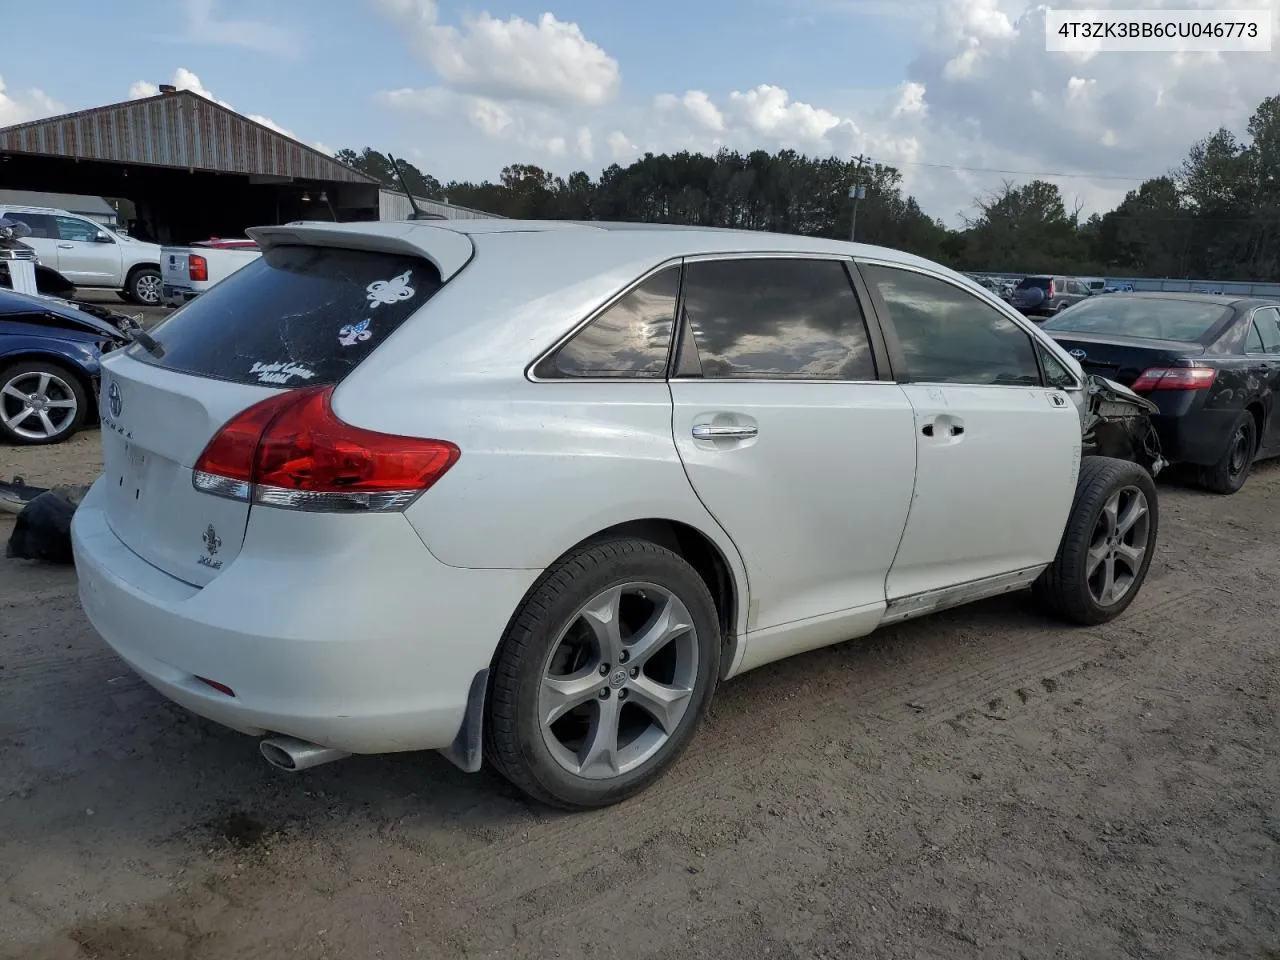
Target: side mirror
[102,237]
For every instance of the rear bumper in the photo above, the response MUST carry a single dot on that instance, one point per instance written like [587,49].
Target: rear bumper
[1196,437]
[175,296]
[365,643]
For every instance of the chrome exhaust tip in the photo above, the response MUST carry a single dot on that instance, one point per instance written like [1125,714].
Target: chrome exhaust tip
[288,753]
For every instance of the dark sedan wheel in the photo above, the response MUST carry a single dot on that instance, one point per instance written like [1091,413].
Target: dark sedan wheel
[40,403]
[1229,473]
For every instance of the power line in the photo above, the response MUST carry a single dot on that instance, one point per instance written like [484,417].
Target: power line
[1012,173]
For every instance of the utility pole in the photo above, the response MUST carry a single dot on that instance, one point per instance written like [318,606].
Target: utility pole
[857,192]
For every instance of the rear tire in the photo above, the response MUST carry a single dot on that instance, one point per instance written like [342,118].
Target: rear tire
[1229,474]
[1107,545]
[145,286]
[579,716]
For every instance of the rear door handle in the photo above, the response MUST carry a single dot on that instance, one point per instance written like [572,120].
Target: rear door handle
[66,246]
[713,431]
[946,427]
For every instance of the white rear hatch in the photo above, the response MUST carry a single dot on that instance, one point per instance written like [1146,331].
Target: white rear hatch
[300,316]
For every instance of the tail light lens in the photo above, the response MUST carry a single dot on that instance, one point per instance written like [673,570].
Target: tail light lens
[292,451]
[1175,378]
[197,267]
[1050,291]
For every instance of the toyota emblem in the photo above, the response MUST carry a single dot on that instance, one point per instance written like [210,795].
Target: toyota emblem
[114,400]
[1078,353]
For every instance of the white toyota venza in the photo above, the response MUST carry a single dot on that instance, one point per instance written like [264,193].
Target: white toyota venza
[526,492]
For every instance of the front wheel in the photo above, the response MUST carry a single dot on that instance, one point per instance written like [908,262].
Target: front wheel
[1107,545]
[144,286]
[40,403]
[603,674]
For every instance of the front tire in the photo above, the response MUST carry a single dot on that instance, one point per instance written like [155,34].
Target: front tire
[1107,545]
[40,402]
[145,286]
[603,674]
[1229,474]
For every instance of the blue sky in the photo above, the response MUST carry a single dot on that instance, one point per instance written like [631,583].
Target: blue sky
[464,88]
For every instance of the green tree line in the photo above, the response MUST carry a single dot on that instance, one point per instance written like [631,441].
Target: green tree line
[1215,216]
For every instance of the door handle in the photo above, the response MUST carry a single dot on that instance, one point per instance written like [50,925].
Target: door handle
[952,428]
[66,246]
[712,431]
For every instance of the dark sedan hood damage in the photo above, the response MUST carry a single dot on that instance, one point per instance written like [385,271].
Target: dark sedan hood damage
[1116,422]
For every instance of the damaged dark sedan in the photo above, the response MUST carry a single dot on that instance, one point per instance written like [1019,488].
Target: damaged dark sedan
[50,351]
[1210,364]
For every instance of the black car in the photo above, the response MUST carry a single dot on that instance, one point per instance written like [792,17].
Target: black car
[1043,296]
[1210,363]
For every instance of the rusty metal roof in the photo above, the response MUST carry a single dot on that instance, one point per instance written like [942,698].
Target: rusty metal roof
[180,129]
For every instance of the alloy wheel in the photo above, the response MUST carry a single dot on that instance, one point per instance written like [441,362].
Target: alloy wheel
[1119,545]
[618,680]
[38,405]
[147,289]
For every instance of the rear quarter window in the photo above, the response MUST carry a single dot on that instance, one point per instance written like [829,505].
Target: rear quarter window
[296,316]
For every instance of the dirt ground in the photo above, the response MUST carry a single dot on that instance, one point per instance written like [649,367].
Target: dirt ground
[981,784]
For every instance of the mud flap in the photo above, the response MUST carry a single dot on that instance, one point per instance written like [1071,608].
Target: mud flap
[466,752]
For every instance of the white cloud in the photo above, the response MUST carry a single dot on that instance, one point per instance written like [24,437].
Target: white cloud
[548,61]
[911,101]
[204,27]
[184,79]
[620,146]
[30,104]
[586,144]
[770,112]
[703,110]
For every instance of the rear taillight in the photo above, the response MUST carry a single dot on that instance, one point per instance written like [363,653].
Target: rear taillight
[1175,378]
[1049,292]
[197,267]
[291,451]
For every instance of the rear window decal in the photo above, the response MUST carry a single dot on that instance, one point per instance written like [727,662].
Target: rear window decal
[349,335]
[280,372]
[390,291]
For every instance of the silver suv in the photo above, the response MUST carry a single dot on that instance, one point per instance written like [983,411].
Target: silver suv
[89,254]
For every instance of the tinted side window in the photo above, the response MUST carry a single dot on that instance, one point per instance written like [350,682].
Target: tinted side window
[1055,374]
[630,339]
[73,228]
[1253,341]
[950,336]
[777,319]
[41,224]
[1268,324]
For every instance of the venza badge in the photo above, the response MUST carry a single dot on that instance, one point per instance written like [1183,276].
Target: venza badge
[211,544]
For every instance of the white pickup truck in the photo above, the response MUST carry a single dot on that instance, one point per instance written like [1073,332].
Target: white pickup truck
[187,272]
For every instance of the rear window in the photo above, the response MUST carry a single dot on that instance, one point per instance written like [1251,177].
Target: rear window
[1040,283]
[296,316]
[1181,320]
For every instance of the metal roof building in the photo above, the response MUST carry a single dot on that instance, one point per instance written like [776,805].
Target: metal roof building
[193,168]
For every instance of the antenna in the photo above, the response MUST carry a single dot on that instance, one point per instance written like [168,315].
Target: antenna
[417,213]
